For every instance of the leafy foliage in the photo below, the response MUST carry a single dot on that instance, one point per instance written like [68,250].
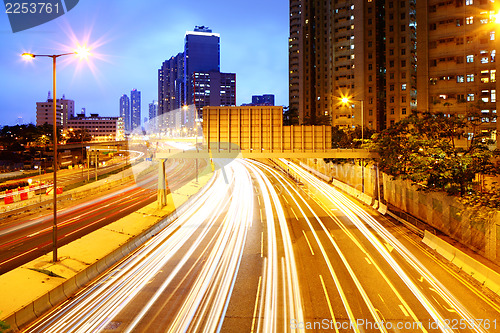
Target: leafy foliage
[3,326]
[424,148]
[78,135]
[348,138]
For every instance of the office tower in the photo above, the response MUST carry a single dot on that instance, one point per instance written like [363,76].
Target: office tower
[201,55]
[213,89]
[65,111]
[339,49]
[125,112]
[194,77]
[457,43]
[267,100]
[135,109]
[170,84]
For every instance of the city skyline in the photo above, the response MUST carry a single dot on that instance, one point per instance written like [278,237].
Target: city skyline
[126,51]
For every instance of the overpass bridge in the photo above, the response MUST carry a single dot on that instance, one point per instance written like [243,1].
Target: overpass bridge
[255,132]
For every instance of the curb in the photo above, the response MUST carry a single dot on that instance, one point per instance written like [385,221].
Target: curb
[481,273]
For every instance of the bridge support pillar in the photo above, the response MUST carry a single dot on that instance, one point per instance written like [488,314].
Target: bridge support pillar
[162,185]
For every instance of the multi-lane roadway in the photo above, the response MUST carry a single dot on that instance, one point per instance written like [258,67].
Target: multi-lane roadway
[264,254]
[23,240]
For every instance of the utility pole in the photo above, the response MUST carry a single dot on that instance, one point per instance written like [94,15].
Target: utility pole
[96,154]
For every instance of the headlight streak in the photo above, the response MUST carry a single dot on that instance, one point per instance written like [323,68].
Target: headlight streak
[104,302]
[356,242]
[352,211]
[292,307]
[323,251]
[207,301]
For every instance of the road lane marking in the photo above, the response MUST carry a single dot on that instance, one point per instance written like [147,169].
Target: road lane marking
[256,304]
[261,244]
[404,310]
[286,200]
[368,261]
[294,213]
[389,247]
[308,243]
[329,304]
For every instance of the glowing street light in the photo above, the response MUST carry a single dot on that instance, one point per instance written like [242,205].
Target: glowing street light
[82,52]
[346,101]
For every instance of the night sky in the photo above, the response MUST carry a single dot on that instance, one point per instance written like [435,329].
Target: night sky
[129,40]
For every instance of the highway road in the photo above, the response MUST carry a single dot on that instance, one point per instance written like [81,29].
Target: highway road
[26,239]
[264,254]
[67,177]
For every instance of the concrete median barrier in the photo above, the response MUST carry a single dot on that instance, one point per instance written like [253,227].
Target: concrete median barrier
[70,287]
[41,305]
[56,296]
[82,278]
[477,270]
[25,315]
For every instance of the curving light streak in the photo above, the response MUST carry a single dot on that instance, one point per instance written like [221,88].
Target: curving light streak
[361,219]
[94,307]
[292,302]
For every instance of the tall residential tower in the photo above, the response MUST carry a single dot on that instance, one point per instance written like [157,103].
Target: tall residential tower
[125,112]
[135,109]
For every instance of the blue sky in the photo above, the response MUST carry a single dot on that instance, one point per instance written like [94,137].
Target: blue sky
[129,41]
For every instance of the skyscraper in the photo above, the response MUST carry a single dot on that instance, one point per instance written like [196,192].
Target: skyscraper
[125,112]
[170,83]
[341,49]
[194,77]
[135,109]
[153,114]
[457,66]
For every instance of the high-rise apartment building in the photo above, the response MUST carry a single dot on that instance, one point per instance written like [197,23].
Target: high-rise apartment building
[125,112]
[213,89]
[194,77]
[65,111]
[153,114]
[170,84]
[345,49]
[457,43]
[135,109]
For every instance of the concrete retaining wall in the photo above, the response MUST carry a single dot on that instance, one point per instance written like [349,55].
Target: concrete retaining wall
[443,212]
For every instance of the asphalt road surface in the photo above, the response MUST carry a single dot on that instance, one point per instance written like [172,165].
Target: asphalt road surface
[26,239]
[264,254]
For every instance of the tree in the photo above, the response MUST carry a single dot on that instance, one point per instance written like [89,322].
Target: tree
[347,138]
[424,148]
[290,116]
[78,135]
[3,326]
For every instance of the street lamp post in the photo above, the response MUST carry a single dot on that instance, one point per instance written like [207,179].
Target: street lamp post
[346,100]
[54,57]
